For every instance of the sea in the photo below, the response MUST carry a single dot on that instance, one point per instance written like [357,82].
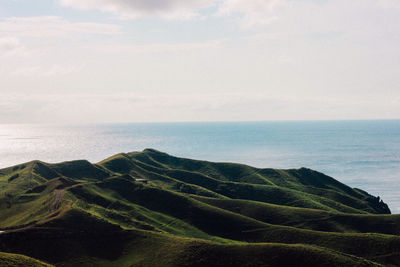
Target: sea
[363,154]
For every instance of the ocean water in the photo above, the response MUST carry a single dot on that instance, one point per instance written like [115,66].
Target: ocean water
[363,154]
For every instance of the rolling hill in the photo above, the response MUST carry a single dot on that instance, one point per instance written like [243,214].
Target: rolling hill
[152,209]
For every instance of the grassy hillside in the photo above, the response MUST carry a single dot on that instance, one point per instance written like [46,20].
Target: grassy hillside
[15,260]
[152,209]
[309,218]
[81,239]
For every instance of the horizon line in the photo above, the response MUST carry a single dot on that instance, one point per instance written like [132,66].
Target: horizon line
[205,121]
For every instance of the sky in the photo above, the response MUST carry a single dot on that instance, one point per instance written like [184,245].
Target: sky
[97,61]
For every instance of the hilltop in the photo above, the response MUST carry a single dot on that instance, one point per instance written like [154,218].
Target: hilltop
[152,209]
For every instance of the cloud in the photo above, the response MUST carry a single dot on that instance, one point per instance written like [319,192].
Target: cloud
[47,70]
[131,9]
[252,12]
[256,13]
[52,26]
[389,3]
[123,107]
[10,45]
[159,47]
[72,108]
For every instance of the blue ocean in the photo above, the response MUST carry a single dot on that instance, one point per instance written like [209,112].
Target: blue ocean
[362,154]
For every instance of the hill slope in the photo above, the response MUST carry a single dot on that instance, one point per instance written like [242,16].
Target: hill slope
[152,209]
[14,260]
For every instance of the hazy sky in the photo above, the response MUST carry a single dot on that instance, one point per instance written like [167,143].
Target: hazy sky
[198,60]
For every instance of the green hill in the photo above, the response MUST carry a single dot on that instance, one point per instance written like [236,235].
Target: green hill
[14,260]
[152,209]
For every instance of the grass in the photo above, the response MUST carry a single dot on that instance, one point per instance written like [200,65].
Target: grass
[15,260]
[190,213]
[312,219]
[84,240]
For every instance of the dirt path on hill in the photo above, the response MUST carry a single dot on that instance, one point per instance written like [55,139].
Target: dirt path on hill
[59,195]
[54,207]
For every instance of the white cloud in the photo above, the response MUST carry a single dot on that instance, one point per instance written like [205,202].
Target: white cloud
[253,12]
[47,46]
[159,47]
[83,108]
[48,70]
[52,26]
[333,49]
[389,3]
[168,9]
[326,14]
[10,45]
